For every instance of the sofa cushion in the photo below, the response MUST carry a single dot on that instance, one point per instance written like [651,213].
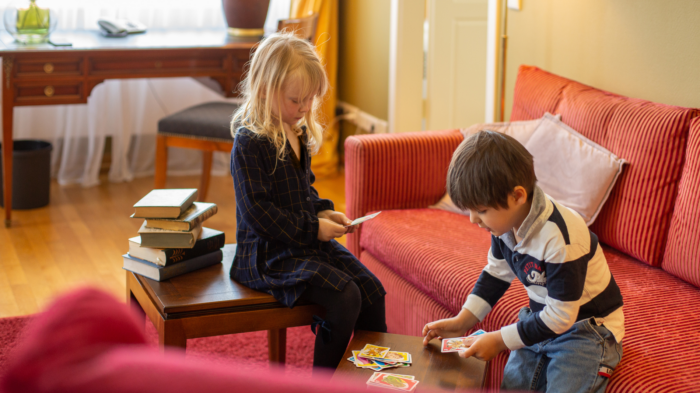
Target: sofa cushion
[442,254]
[650,136]
[661,320]
[439,252]
[682,258]
[536,92]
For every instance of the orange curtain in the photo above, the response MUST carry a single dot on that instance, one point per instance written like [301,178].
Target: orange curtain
[325,163]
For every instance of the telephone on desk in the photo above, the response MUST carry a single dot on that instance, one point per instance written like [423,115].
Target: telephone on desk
[120,27]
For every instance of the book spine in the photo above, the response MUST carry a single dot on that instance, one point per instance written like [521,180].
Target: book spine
[192,265]
[203,246]
[205,215]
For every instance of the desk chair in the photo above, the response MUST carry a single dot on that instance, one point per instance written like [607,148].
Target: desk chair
[206,127]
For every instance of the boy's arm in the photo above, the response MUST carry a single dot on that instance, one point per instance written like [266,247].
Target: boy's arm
[252,186]
[565,270]
[493,282]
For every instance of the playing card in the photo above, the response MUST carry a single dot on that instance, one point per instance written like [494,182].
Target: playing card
[411,377]
[373,351]
[362,219]
[393,381]
[363,362]
[458,344]
[398,357]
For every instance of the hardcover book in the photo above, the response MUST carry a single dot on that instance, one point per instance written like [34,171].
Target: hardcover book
[190,218]
[162,273]
[209,241]
[162,238]
[165,203]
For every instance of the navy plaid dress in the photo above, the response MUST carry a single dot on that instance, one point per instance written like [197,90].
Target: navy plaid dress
[277,229]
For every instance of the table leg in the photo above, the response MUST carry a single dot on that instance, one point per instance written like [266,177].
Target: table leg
[206,174]
[171,334]
[277,345]
[161,161]
[7,113]
[134,305]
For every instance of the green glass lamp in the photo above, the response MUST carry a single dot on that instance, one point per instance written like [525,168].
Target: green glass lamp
[29,21]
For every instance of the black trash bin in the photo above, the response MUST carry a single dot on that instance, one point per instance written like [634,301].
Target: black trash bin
[31,174]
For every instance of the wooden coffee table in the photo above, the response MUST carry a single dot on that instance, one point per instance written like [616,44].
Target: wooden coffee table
[207,302]
[431,367]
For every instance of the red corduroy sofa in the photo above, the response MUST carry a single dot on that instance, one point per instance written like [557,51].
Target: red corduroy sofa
[429,259]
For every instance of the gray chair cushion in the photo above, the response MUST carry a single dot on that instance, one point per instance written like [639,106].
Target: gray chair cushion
[206,121]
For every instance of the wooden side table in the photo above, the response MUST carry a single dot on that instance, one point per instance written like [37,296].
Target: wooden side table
[207,302]
[431,367]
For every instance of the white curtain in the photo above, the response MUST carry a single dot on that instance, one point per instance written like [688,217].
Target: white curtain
[127,110]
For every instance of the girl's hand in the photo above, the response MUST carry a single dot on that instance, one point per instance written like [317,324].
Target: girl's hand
[486,346]
[338,218]
[328,230]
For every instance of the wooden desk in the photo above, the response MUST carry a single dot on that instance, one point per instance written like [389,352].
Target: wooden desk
[207,302]
[48,75]
[430,366]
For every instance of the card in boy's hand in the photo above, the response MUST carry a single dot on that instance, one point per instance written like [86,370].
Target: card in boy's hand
[362,219]
[373,351]
[458,344]
[393,381]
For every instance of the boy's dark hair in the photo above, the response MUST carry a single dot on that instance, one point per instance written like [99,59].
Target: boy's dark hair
[486,168]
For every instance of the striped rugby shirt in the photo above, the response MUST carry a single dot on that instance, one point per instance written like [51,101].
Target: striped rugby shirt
[563,269]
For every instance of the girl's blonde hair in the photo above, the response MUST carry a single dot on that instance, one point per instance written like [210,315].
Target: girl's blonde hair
[280,57]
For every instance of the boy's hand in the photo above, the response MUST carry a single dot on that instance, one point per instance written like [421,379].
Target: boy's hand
[486,346]
[328,230]
[450,327]
[338,218]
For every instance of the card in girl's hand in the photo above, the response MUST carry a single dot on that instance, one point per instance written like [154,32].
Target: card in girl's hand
[373,351]
[362,219]
[458,344]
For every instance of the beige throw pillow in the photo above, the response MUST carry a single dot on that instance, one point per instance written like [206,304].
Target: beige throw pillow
[571,168]
[520,130]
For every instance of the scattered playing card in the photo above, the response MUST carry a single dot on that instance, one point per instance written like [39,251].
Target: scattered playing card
[363,362]
[393,381]
[373,351]
[398,357]
[362,219]
[458,344]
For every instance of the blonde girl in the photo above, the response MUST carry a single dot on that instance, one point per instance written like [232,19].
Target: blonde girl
[285,231]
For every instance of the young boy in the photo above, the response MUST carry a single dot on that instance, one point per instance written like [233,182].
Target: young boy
[568,339]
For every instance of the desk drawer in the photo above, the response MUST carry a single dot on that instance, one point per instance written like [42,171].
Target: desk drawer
[36,68]
[156,66]
[33,93]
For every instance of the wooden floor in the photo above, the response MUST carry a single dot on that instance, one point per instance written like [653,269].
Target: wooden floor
[79,238]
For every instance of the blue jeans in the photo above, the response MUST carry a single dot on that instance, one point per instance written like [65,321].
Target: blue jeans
[567,363]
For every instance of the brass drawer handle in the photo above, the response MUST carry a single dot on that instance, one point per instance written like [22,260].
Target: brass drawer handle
[48,91]
[48,68]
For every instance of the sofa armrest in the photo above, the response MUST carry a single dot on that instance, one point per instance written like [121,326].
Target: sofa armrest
[395,171]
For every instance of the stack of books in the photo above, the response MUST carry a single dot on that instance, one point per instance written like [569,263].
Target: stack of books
[172,240]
